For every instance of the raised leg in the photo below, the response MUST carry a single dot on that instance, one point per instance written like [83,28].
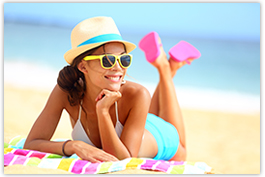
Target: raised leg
[154,107]
[164,101]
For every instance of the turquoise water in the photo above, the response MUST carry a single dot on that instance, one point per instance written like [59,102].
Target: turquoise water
[224,65]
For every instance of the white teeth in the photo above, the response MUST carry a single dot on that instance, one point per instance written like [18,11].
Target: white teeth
[114,78]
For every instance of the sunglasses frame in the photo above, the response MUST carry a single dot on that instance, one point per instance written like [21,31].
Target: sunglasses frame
[100,57]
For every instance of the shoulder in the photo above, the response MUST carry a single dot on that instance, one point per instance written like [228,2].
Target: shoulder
[134,103]
[134,90]
[58,101]
[58,92]
[58,96]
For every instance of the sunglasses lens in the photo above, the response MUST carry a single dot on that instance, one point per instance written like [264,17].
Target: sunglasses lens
[108,61]
[126,60]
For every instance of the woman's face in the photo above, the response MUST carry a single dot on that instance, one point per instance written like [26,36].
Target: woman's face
[105,78]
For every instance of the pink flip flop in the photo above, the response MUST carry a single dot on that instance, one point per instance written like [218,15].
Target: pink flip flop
[149,44]
[183,51]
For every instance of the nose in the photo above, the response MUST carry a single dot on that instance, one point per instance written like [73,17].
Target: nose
[117,66]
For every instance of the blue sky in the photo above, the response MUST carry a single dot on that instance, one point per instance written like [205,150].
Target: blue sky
[203,20]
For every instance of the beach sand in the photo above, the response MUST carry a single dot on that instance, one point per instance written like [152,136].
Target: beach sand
[228,142]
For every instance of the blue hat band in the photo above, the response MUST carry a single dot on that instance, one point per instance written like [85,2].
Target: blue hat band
[102,38]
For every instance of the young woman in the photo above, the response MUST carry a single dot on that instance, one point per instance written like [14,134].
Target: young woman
[112,119]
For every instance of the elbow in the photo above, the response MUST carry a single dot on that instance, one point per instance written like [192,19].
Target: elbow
[125,156]
[29,144]
[26,145]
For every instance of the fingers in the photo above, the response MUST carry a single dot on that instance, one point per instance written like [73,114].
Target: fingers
[108,93]
[118,94]
[93,160]
[101,95]
[110,157]
[104,156]
[92,154]
[101,157]
[106,159]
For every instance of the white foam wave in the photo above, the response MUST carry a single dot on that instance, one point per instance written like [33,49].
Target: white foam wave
[216,100]
[30,75]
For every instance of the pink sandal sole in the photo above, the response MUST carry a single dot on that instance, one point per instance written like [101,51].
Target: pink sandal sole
[184,51]
[149,44]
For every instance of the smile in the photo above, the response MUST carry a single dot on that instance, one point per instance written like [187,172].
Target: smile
[113,78]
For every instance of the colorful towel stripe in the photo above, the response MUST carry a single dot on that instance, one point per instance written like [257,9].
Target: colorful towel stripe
[13,156]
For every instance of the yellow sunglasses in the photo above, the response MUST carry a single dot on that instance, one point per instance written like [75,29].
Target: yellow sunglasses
[108,60]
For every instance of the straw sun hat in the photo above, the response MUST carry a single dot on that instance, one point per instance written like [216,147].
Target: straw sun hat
[92,33]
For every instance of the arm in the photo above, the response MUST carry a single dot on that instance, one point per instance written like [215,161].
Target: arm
[134,126]
[45,126]
[128,145]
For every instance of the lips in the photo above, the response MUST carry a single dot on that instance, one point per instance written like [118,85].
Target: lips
[114,78]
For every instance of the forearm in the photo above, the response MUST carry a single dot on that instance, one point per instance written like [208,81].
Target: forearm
[110,141]
[45,146]
[80,148]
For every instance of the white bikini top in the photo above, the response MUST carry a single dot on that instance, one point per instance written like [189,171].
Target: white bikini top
[79,133]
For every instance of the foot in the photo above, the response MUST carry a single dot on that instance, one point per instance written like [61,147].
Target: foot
[161,60]
[175,65]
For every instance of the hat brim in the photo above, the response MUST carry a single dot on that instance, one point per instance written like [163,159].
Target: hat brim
[70,55]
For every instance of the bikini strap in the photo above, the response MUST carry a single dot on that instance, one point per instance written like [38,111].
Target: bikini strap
[116,109]
[80,109]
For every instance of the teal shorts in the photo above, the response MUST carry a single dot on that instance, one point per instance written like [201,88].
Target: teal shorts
[166,136]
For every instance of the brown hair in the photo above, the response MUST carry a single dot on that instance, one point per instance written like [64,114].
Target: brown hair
[72,81]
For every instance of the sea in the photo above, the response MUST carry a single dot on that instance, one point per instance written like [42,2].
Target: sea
[225,78]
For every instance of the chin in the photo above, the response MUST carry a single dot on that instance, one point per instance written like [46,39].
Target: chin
[114,87]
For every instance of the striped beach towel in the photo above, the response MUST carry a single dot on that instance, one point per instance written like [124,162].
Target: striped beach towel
[15,154]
